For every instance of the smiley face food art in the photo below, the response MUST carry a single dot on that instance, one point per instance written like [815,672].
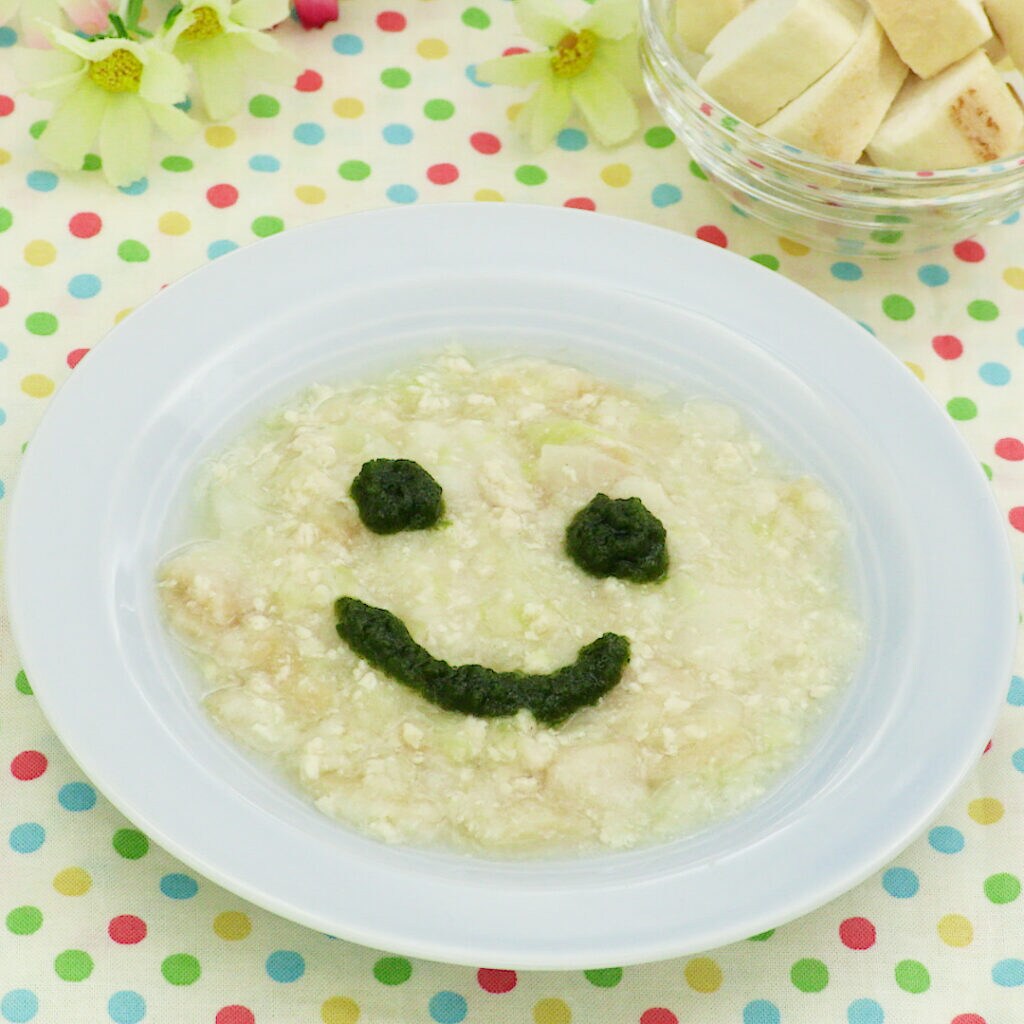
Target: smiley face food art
[511,607]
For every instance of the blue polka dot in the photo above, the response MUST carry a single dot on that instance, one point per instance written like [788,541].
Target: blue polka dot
[397,134]
[665,195]
[136,188]
[309,133]
[178,886]
[8,37]
[865,1011]
[77,796]
[126,1007]
[27,838]
[447,1008]
[347,45]
[19,1005]
[285,965]
[1018,759]
[867,327]
[402,194]
[84,286]
[946,839]
[220,247]
[900,882]
[3,417]
[1020,336]
[995,374]
[41,181]
[844,271]
[3,351]
[1016,694]
[933,275]
[264,162]
[1009,973]
[185,104]
[471,75]
[1012,219]
[760,1011]
[571,139]
[3,489]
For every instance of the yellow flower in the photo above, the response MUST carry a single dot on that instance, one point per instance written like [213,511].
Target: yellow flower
[110,92]
[224,43]
[591,64]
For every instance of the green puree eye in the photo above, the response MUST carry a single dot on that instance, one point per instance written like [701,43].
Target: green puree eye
[396,494]
[618,537]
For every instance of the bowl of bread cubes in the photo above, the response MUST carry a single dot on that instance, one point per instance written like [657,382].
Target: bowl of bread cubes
[867,127]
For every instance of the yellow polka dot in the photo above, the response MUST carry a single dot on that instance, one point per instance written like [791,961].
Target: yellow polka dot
[38,385]
[432,49]
[232,925]
[955,930]
[703,975]
[986,810]
[311,194]
[40,253]
[172,223]
[121,314]
[72,882]
[1013,276]
[787,245]
[220,136]
[551,1011]
[488,195]
[513,111]
[349,106]
[916,370]
[339,1010]
[617,175]
[4,156]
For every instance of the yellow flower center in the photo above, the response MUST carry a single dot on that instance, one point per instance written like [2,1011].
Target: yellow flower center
[574,53]
[120,72]
[205,25]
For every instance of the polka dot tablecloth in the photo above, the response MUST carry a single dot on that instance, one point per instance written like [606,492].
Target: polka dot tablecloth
[100,924]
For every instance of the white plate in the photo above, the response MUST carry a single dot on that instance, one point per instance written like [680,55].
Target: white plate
[102,494]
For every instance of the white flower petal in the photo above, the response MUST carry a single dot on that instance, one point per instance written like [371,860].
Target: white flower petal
[8,8]
[90,49]
[621,58]
[519,69]
[73,126]
[612,19]
[221,77]
[545,113]
[606,106]
[164,78]
[541,20]
[37,67]
[266,63]
[171,121]
[125,134]
[31,13]
[259,14]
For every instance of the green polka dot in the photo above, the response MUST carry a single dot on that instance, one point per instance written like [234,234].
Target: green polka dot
[762,936]
[132,251]
[176,164]
[6,218]
[392,970]
[37,128]
[887,237]
[767,260]
[24,920]
[73,965]
[987,470]
[439,110]
[982,309]
[263,105]
[92,162]
[530,174]
[697,171]
[729,123]
[180,969]
[41,323]
[605,977]
[475,18]
[897,307]
[961,408]
[130,843]
[1002,888]
[912,976]
[262,227]
[809,975]
[21,683]
[395,78]
[354,170]
[659,137]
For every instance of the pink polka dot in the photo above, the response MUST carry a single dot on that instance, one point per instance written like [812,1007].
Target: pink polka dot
[1016,518]
[496,981]
[658,1015]
[968,1018]
[580,203]
[222,196]
[309,81]
[706,109]
[390,21]
[234,1014]
[988,747]
[75,356]
[85,225]
[28,765]
[513,50]
[715,236]
[947,346]
[127,929]
[857,933]
[5,296]
[485,142]
[6,105]
[969,252]
[1011,449]
[443,174]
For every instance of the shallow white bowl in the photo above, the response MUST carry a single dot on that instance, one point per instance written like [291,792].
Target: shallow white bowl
[103,493]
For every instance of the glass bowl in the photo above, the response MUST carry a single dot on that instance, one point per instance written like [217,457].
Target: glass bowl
[853,209]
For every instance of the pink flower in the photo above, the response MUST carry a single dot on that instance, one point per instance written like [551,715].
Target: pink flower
[316,13]
[89,16]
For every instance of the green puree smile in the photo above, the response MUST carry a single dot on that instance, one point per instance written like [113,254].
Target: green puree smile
[606,538]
